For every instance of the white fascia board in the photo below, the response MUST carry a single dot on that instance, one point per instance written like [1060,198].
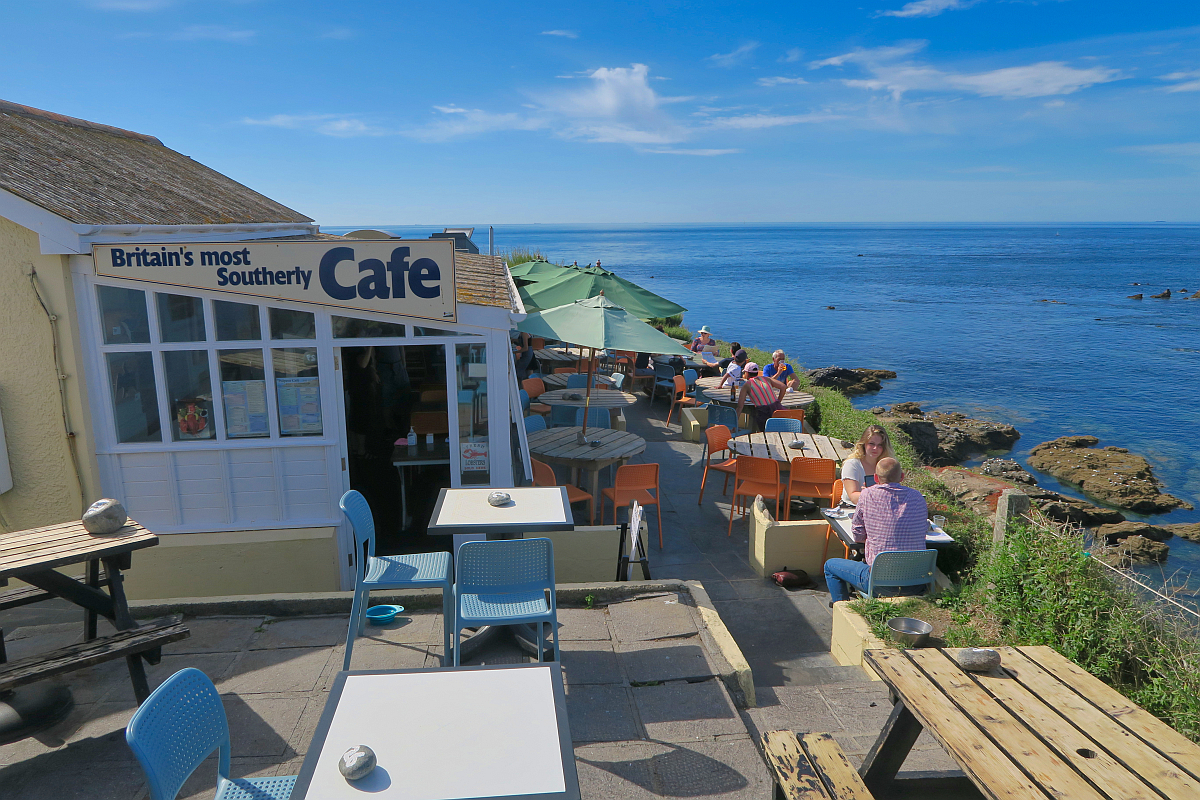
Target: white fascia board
[484,316]
[57,235]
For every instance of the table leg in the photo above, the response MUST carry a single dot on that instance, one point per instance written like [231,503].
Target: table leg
[123,621]
[596,494]
[89,618]
[887,755]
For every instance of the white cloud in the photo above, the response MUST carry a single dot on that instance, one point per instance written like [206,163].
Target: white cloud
[454,121]
[791,56]
[218,33]
[776,81]
[618,105]
[565,34]
[757,121]
[733,58]
[889,69]
[1055,104]
[130,5]
[1187,81]
[927,8]
[675,151]
[325,124]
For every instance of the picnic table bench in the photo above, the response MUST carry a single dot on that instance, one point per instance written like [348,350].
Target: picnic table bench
[1038,726]
[811,767]
[34,555]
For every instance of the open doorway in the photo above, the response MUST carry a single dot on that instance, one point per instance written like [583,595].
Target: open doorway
[397,438]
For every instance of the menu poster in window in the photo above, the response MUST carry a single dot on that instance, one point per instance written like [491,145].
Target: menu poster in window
[474,456]
[245,408]
[192,418]
[299,406]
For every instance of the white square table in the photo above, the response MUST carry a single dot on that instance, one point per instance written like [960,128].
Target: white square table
[843,527]
[533,509]
[446,734]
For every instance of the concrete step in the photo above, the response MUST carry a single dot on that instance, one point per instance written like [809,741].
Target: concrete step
[827,676]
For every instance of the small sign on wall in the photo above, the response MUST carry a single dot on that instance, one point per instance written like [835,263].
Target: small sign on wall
[474,456]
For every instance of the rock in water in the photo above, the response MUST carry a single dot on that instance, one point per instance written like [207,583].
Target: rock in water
[1140,550]
[942,439]
[1112,534]
[1118,478]
[978,659]
[1007,469]
[357,762]
[1135,297]
[850,381]
[1162,295]
[1187,530]
[105,516]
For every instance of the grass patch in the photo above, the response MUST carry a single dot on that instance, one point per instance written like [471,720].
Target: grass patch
[519,255]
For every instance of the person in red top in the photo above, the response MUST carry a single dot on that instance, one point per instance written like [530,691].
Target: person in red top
[890,517]
[763,393]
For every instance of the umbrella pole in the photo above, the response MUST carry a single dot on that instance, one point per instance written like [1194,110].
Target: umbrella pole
[587,400]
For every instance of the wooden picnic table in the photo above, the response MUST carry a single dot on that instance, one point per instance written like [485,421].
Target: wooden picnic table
[560,381]
[775,445]
[561,446]
[33,555]
[708,387]
[558,356]
[1038,726]
[604,398]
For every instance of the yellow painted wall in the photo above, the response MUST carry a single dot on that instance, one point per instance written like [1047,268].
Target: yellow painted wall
[45,487]
[234,563]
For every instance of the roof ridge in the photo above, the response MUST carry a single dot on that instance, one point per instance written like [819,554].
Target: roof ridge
[29,111]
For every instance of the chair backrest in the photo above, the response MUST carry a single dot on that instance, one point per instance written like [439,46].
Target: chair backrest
[358,511]
[838,489]
[902,568]
[717,438]
[562,416]
[543,473]
[813,470]
[636,476]
[759,470]
[564,370]
[535,423]
[664,372]
[596,417]
[722,415]
[789,413]
[176,729]
[537,343]
[689,378]
[680,385]
[576,381]
[784,425]
[618,380]
[534,387]
[524,399]
[504,566]
[430,422]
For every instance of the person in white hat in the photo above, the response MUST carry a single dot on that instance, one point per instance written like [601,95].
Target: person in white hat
[703,339]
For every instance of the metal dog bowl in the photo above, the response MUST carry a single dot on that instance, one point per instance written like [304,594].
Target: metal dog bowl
[913,632]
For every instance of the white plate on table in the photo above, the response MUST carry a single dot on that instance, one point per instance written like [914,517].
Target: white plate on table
[836,513]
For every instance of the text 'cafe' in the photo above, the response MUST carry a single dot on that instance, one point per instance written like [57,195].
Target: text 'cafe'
[244,386]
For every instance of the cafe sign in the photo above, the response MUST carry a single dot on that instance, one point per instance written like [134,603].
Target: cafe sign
[393,276]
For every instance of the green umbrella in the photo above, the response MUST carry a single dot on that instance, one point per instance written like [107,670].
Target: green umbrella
[551,290]
[530,269]
[599,323]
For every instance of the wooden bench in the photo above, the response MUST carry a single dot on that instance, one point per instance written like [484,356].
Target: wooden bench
[143,642]
[811,767]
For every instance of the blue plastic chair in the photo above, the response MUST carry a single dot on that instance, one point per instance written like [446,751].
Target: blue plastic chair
[725,415]
[902,568]
[415,571]
[689,380]
[535,423]
[524,399]
[664,379]
[618,381]
[596,417]
[178,727]
[577,381]
[506,582]
[784,425]
[562,416]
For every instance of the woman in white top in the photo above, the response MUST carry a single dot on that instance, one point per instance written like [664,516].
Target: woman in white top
[858,471]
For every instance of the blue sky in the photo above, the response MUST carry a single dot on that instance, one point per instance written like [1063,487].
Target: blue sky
[516,112]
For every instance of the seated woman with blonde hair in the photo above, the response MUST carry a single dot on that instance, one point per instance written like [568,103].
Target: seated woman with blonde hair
[858,471]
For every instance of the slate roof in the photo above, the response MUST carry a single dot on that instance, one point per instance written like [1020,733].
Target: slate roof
[94,174]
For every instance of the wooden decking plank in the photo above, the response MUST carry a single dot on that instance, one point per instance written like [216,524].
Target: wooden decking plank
[1085,754]
[1154,768]
[1153,730]
[990,769]
[1040,761]
[842,781]
[44,560]
[794,774]
[22,541]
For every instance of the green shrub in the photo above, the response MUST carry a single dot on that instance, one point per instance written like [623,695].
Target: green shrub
[519,255]
[676,332]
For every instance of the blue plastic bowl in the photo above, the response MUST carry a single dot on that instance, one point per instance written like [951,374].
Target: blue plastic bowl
[382,615]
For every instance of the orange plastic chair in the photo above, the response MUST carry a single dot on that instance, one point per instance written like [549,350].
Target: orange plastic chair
[537,343]
[534,387]
[623,360]
[790,413]
[837,492]
[543,475]
[634,482]
[681,398]
[811,477]
[754,476]
[717,439]
[565,371]
[424,422]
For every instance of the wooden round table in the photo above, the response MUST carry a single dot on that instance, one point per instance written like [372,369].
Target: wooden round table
[775,445]
[601,398]
[708,387]
[561,446]
[559,381]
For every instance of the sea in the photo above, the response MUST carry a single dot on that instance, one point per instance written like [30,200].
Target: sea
[1028,324]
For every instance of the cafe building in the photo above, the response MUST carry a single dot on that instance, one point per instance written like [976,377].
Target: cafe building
[208,357]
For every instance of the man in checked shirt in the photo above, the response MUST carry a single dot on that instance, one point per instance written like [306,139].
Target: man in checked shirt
[890,516]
